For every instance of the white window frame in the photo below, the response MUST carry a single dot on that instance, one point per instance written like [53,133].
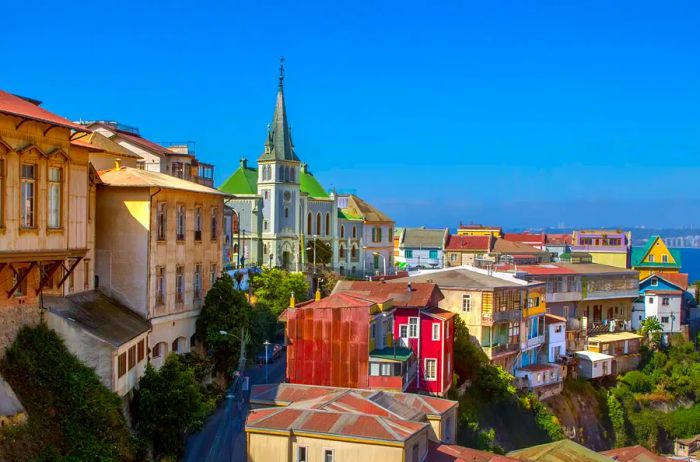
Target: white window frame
[654,282]
[436,331]
[413,326]
[325,451]
[425,368]
[404,326]
[306,454]
[55,197]
[466,307]
[665,301]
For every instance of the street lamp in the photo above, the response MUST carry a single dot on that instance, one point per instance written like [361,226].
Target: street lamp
[314,248]
[267,344]
[377,254]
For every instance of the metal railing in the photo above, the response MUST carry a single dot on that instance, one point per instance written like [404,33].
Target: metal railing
[497,316]
[495,350]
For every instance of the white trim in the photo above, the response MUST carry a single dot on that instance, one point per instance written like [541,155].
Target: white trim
[417,327]
[432,327]
[306,456]
[323,454]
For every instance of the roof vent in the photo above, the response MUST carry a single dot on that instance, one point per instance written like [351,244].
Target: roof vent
[410,287]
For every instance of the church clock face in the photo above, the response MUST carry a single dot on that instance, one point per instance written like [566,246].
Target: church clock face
[287,196]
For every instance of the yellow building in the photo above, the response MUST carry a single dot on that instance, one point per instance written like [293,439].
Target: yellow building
[606,247]
[312,423]
[159,249]
[655,257]
[479,230]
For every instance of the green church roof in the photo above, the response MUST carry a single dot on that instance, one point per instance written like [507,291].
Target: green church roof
[243,181]
[310,185]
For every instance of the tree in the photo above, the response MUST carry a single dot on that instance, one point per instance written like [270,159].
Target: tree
[617,418]
[225,312]
[651,331]
[169,405]
[324,252]
[274,287]
[327,281]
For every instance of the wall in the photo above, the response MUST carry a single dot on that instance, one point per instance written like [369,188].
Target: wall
[608,258]
[12,318]
[263,447]
[653,307]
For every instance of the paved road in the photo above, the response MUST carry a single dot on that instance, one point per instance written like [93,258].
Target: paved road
[222,438]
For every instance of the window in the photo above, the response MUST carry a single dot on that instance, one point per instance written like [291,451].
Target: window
[302,454]
[121,365]
[292,174]
[212,274]
[286,212]
[28,191]
[141,164]
[160,349]
[179,284]
[132,357]
[665,301]
[431,369]
[650,259]
[309,220]
[377,234]
[318,223]
[264,225]
[214,224]
[176,345]
[140,351]
[198,223]
[436,331]
[341,251]
[654,282]
[86,274]
[180,222]
[354,232]
[403,331]
[453,256]
[55,188]
[193,341]
[375,262]
[664,258]
[342,227]
[353,252]
[651,300]
[412,327]
[328,224]
[433,254]
[466,303]
[160,285]
[408,253]
[328,455]
[197,283]
[664,319]
[161,221]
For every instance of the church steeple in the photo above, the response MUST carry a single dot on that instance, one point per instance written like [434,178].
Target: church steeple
[279,138]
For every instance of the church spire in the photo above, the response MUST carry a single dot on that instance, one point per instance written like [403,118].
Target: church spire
[279,140]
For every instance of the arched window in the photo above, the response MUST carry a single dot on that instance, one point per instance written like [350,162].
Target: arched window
[160,349]
[286,212]
[235,248]
[293,174]
[342,231]
[328,224]
[179,345]
[281,178]
[354,232]
[353,251]
[341,251]
[309,220]
[318,223]
[264,249]
[269,173]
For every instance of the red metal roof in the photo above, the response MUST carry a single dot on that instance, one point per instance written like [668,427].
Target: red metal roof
[553,319]
[421,295]
[559,239]
[678,279]
[143,142]
[457,242]
[439,313]
[635,454]
[525,238]
[344,300]
[453,453]
[14,105]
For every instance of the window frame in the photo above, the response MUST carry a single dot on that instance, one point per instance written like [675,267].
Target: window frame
[160,291]
[466,307]
[180,284]
[436,330]
[214,222]
[58,184]
[121,365]
[180,222]
[426,370]
[162,221]
[306,454]
[198,223]
[197,282]
[33,184]
[325,452]
[413,327]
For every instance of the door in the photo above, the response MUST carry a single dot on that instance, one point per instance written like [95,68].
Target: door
[403,335]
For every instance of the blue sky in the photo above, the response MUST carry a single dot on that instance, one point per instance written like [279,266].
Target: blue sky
[518,113]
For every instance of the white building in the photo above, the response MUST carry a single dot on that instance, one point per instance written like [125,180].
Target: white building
[555,338]
[421,247]
[660,298]
[594,365]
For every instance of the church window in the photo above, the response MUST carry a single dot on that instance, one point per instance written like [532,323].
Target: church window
[353,252]
[293,174]
[341,251]
[264,225]
[354,232]
[342,231]
[281,178]
[328,224]
[318,223]
[309,220]
[286,212]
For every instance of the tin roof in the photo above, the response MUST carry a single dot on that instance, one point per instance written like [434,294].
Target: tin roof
[453,453]
[424,238]
[135,177]
[553,319]
[615,337]
[525,238]
[344,300]
[462,278]
[593,355]
[635,454]
[420,295]
[100,315]
[457,242]
[21,107]
[559,451]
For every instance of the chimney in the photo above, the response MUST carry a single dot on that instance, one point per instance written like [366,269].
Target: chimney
[292,301]
[317,296]
[244,162]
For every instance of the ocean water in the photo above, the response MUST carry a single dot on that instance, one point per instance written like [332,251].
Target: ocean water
[691,263]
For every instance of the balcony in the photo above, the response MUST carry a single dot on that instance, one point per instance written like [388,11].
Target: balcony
[499,350]
[499,316]
[534,341]
[391,368]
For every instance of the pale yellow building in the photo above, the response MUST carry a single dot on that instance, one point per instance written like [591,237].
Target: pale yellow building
[480,230]
[329,424]
[159,249]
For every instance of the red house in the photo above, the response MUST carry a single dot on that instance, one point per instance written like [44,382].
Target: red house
[346,340]
[419,325]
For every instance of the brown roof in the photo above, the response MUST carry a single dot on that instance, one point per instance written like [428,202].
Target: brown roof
[678,279]
[345,300]
[558,239]
[552,319]
[424,238]
[525,238]
[453,453]
[98,141]
[144,143]
[457,242]
[135,177]
[14,105]
[439,313]
[635,454]
[359,207]
[504,246]
[421,294]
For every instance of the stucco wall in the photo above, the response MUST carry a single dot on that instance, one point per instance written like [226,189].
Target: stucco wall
[12,318]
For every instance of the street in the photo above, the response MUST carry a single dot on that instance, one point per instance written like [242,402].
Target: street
[222,438]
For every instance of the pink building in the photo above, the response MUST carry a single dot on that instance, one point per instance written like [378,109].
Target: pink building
[419,325]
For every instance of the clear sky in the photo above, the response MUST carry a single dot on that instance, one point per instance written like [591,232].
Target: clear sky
[517,113]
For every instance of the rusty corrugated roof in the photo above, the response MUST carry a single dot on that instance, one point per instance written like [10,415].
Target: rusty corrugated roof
[17,106]
[135,177]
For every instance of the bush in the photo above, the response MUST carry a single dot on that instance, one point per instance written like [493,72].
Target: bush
[72,415]
[638,382]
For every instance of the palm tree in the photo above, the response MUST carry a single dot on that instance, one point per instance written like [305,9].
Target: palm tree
[651,331]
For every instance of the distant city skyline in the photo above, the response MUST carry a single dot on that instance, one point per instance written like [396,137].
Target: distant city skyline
[509,113]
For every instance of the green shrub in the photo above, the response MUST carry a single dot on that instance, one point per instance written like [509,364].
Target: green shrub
[638,382]
[72,415]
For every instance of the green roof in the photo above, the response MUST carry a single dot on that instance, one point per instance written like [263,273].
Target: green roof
[310,185]
[346,214]
[638,254]
[391,353]
[243,181]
